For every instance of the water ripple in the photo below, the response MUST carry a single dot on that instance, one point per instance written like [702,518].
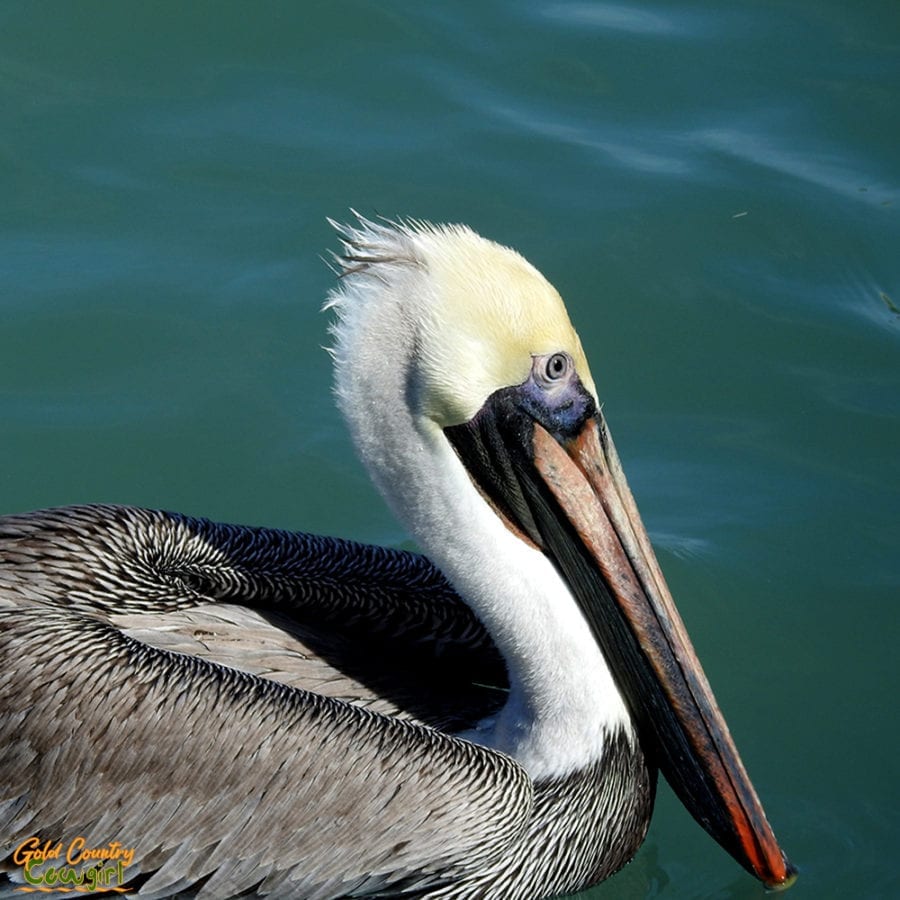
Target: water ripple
[629,19]
[813,165]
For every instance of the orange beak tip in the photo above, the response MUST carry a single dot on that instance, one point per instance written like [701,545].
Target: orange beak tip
[791,875]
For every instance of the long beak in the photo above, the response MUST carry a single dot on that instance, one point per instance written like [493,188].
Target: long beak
[613,572]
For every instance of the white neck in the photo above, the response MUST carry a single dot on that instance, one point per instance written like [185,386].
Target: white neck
[563,703]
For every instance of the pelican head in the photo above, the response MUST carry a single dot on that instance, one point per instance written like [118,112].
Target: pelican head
[470,400]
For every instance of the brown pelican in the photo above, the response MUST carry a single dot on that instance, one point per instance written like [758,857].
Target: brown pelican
[249,711]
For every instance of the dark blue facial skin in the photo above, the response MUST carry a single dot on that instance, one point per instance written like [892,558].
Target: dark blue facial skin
[554,396]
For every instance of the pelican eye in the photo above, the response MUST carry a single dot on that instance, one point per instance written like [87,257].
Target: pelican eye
[557,366]
[552,369]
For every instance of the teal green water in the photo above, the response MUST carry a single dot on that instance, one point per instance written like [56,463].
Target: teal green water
[715,190]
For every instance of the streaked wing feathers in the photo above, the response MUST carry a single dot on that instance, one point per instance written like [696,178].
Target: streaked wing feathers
[221,780]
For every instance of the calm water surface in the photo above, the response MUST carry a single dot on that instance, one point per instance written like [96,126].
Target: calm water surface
[715,190]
